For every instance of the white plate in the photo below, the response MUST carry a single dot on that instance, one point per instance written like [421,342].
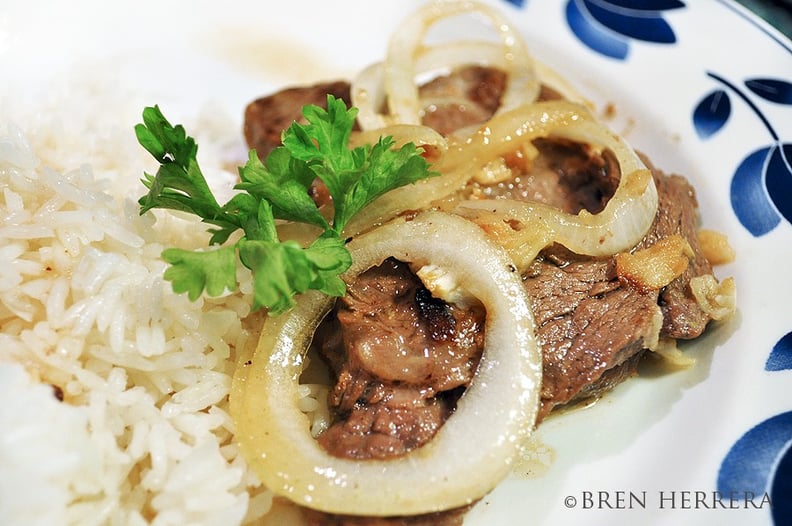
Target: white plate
[698,86]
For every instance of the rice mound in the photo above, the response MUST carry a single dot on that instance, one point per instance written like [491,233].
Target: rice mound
[142,434]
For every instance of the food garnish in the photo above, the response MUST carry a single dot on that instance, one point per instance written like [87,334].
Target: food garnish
[275,189]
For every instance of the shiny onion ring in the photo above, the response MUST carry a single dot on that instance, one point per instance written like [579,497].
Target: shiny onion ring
[624,221]
[368,91]
[450,56]
[531,226]
[470,453]
[421,136]
[393,82]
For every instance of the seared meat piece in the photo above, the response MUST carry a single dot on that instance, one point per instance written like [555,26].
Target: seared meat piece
[566,175]
[267,117]
[399,356]
[677,213]
[469,97]
[589,322]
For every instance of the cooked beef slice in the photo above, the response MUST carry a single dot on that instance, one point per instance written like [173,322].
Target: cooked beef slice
[401,359]
[266,117]
[399,356]
[469,97]
[566,175]
[588,321]
[677,213]
[476,91]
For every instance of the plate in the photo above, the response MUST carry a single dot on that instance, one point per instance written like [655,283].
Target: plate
[703,88]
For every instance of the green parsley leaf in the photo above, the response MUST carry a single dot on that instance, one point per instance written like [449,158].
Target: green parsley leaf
[179,183]
[288,272]
[277,188]
[384,170]
[194,272]
[292,270]
[285,183]
[354,177]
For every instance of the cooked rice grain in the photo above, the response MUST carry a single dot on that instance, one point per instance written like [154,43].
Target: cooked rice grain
[142,435]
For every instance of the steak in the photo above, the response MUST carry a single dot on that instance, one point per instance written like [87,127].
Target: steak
[476,89]
[590,323]
[401,358]
[266,117]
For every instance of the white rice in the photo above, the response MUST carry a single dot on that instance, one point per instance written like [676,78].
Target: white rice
[143,435]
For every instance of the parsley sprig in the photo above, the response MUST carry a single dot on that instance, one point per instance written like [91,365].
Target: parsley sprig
[277,188]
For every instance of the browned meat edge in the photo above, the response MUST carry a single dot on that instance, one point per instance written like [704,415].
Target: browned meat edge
[591,326]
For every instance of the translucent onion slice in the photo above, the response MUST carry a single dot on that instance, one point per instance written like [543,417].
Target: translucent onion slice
[523,227]
[368,96]
[624,221]
[393,82]
[717,299]
[654,267]
[368,89]
[422,136]
[470,453]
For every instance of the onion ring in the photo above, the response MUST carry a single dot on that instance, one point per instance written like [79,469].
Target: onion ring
[532,226]
[624,221]
[482,437]
[393,82]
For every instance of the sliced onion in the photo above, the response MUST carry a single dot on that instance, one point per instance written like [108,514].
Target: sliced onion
[531,226]
[368,96]
[551,78]
[422,136]
[667,349]
[717,299]
[624,221]
[656,266]
[470,453]
[715,247]
[393,82]
[368,91]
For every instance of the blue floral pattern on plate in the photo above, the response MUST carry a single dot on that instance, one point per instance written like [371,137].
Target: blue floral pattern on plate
[761,187]
[761,460]
[780,358]
[608,26]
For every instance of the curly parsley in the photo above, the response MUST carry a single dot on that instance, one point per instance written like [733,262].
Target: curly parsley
[277,188]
